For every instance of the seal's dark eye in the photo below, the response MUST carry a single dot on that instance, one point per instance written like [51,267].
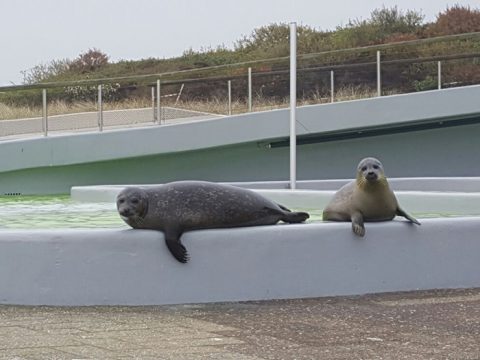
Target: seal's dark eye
[376,167]
[121,201]
[364,168]
[134,201]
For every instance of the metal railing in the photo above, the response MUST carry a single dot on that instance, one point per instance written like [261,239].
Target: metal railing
[188,95]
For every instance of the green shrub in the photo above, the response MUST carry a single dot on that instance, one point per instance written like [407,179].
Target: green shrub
[429,83]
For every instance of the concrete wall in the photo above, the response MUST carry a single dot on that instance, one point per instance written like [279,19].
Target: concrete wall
[450,184]
[134,267]
[403,155]
[237,148]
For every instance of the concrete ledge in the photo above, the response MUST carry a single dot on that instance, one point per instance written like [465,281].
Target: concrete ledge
[424,202]
[134,267]
[451,184]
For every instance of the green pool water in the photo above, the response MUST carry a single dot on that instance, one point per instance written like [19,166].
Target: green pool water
[50,212]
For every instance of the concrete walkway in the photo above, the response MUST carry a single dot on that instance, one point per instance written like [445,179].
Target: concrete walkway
[416,325]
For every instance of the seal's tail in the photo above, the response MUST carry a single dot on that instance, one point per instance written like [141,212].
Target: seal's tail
[293,217]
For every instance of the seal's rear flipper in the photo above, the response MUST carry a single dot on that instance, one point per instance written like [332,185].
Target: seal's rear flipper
[401,212]
[295,217]
[172,239]
[284,208]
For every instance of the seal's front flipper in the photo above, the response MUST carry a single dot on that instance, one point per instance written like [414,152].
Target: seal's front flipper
[172,239]
[401,212]
[357,224]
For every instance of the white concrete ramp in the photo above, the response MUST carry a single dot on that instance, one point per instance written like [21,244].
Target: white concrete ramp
[134,267]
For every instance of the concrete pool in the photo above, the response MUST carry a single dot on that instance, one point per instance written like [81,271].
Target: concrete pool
[94,207]
[98,260]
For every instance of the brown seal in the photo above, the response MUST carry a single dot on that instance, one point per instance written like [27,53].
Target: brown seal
[182,206]
[368,198]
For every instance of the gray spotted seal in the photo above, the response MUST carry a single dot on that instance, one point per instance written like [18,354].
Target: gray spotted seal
[180,206]
[368,198]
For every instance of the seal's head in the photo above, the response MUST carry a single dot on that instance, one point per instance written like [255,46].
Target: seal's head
[132,205]
[370,171]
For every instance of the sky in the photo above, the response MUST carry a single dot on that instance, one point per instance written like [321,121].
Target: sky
[33,32]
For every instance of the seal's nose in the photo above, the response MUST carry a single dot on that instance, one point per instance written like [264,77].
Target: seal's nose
[125,212]
[371,175]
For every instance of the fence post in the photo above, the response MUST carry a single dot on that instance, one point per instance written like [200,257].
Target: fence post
[249,89]
[179,94]
[293,105]
[439,75]
[379,79]
[153,105]
[332,87]
[44,112]
[158,103]
[100,108]
[229,97]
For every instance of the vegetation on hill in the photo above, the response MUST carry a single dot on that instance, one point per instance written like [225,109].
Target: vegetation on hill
[384,26]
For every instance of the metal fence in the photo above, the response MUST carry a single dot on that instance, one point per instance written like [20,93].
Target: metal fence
[162,99]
